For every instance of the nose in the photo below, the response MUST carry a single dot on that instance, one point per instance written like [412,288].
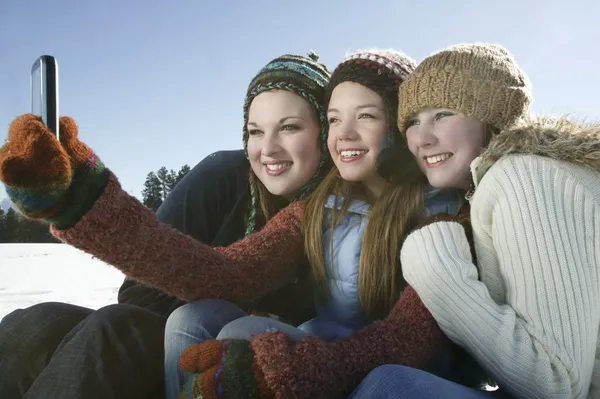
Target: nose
[270,144]
[426,137]
[346,131]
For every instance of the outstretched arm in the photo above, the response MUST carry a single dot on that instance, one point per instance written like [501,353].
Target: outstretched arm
[124,233]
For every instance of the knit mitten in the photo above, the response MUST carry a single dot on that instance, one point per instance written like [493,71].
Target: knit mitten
[51,181]
[200,357]
[308,369]
[233,375]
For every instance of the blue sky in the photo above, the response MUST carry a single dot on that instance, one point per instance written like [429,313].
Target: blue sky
[155,83]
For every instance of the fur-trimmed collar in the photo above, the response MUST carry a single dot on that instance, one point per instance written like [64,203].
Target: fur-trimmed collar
[557,138]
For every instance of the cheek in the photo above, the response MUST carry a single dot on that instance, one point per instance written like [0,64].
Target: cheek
[411,144]
[307,150]
[254,155]
[331,142]
[376,139]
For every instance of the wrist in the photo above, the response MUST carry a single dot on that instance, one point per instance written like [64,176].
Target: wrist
[89,182]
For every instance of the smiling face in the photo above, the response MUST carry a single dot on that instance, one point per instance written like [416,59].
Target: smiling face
[357,126]
[283,141]
[445,143]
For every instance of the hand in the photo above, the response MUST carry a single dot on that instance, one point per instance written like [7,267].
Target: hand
[462,217]
[226,368]
[307,369]
[47,179]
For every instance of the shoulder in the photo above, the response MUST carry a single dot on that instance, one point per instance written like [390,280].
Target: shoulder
[528,172]
[228,167]
[535,187]
[223,162]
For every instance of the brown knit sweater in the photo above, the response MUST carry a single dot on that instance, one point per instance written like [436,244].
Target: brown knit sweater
[123,232]
[317,369]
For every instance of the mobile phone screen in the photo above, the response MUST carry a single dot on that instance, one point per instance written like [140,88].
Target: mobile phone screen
[44,91]
[37,92]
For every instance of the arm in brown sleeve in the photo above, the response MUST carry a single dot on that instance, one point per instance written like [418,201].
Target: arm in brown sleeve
[123,232]
[316,369]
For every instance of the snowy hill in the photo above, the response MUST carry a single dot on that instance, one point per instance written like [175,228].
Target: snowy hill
[34,273]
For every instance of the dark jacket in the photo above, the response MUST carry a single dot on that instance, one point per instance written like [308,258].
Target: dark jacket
[209,204]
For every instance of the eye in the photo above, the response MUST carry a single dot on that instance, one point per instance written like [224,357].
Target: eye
[366,116]
[333,119]
[412,122]
[254,132]
[290,127]
[442,114]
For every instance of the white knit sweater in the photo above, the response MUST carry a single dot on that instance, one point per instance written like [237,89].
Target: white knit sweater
[531,315]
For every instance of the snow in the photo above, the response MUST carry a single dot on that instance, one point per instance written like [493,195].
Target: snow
[34,273]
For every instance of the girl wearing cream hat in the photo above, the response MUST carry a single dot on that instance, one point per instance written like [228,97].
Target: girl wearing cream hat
[528,307]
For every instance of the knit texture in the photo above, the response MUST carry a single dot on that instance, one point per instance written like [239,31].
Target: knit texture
[226,369]
[314,368]
[124,233]
[303,76]
[382,71]
[531,315]
[48,180]
[479,80]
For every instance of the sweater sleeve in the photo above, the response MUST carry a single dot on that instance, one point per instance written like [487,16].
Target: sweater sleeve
[536,231]
[126,234]
[199,206]
[314,368]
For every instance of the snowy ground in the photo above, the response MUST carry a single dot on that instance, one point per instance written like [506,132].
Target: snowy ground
[34,273]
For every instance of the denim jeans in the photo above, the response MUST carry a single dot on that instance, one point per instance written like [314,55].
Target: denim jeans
[395,381]
[210,319]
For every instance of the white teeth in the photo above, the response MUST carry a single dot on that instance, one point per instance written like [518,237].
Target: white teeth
[352,153]
[437,158]
[278,166]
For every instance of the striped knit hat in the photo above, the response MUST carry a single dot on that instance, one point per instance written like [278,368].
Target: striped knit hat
[308,78]
[383,71]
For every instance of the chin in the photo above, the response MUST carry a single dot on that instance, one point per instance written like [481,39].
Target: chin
[351,177]
[279,191]
[439,182]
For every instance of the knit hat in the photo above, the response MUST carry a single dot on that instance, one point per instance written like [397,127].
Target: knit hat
[380,70]
[383,71]
[303,76]
[479,80]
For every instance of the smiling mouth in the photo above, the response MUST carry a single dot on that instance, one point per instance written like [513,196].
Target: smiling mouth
[352,155]
[275,169]
[437,160]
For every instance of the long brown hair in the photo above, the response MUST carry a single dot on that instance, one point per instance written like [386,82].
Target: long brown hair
[392,216]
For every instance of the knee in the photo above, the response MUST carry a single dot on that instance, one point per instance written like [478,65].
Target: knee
[121,314]
[52,315]
[384,372]
[245,327]
[48,309]
[200,314]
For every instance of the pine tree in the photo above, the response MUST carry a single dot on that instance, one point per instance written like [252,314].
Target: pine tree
[167,179]
[12,222]
[152,192]
[182,172]
[158,185]
[3,231]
